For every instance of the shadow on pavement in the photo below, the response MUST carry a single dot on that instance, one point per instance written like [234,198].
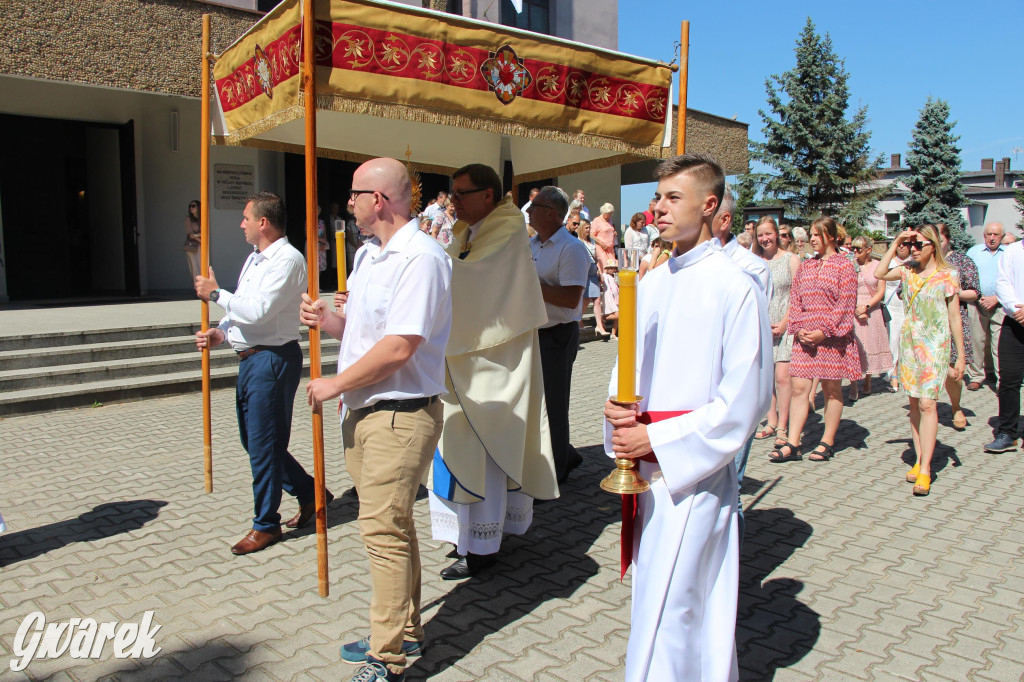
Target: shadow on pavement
[774,629]
[105,520]
[549,562]
[343,509]
[943,456]
[208,661]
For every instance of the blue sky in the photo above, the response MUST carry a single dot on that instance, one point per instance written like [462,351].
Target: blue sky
[897,55]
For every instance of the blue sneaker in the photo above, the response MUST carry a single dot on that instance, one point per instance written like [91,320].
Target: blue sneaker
[375,671]
[357,652]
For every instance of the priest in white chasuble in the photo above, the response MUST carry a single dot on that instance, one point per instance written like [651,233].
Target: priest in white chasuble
[495,455]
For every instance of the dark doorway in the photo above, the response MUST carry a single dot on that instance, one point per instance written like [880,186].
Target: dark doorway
[67,195]
[334,180]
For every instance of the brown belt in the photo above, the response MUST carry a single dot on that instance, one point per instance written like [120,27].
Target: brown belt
[249,352]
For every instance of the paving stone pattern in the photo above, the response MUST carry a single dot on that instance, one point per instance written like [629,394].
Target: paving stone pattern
[845,574]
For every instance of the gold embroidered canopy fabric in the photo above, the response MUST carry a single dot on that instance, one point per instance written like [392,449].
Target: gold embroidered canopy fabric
[401,75]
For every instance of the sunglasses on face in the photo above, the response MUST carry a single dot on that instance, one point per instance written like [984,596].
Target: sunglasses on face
[858,249]
[460,193]
[919,245]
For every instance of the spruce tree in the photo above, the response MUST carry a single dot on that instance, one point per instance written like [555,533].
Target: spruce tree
[936,194]
[745,189]
[821,158]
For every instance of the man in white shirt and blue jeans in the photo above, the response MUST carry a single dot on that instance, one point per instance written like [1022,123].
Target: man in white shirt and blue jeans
[261,327]
[562,263]
[393,326]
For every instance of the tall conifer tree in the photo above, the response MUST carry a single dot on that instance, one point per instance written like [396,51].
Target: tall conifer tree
[936,193]
[821,158]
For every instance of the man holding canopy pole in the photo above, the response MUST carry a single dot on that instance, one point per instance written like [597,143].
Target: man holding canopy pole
[261,327]
[393,326]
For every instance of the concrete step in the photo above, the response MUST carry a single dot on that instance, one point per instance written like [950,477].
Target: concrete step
[107,370]
[96,336]
[96,393]
[55,356]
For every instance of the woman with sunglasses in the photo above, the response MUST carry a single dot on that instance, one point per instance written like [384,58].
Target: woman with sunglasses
[970,292]
[870,332]
[932,316]
[192,232]
[821,306]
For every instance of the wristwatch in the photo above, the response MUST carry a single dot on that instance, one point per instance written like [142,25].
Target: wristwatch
[214,295]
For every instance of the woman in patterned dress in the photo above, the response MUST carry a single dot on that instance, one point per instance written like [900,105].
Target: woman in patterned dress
[970,292]
[932,313]
[821,305]
[783,265]
[870,332]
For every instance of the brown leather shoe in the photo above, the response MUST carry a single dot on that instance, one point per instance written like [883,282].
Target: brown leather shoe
[256,540]
[306,512]
[973,386]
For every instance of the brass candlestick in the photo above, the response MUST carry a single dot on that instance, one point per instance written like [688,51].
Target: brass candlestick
[625,480]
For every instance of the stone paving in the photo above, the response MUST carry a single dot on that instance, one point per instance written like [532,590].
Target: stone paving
[845,574]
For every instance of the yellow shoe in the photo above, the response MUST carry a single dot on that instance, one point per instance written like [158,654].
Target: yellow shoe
[912,474]
[923,485]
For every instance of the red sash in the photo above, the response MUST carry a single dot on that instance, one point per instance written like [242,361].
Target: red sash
[629,502]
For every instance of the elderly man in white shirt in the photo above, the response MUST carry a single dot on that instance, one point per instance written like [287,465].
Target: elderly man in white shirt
[393,327]
[757,269]
[1009,289]
[562,263]
[261,327]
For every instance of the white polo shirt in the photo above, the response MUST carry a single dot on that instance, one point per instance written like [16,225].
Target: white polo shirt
[561,261]
[401,289]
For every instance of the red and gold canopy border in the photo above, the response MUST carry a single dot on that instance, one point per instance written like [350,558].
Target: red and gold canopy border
[402,63]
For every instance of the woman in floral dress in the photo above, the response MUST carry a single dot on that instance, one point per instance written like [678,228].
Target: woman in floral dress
[932,316]
[970,292]
[821,304]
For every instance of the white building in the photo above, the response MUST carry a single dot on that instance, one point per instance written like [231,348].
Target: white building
[990,192]
[100,124]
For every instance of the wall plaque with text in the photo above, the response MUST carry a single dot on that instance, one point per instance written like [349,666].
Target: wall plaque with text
[232,184]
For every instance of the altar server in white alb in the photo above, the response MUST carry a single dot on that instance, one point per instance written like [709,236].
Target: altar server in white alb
[704,369]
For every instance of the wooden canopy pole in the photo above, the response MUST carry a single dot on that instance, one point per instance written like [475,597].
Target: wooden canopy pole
[204,248]
[684,62]
[313,273]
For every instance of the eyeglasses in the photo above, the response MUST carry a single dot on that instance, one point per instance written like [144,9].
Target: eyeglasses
[458,194]
[919,245]
[353,193]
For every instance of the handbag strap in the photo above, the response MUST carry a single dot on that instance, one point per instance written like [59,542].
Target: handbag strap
[913,296]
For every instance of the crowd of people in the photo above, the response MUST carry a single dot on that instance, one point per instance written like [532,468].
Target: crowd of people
[441,372]
[923,316]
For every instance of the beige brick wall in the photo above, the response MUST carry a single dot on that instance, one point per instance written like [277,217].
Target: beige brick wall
[722,138]
[149,45]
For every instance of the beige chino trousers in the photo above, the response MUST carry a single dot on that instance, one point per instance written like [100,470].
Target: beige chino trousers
[985,328]
[387,455]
